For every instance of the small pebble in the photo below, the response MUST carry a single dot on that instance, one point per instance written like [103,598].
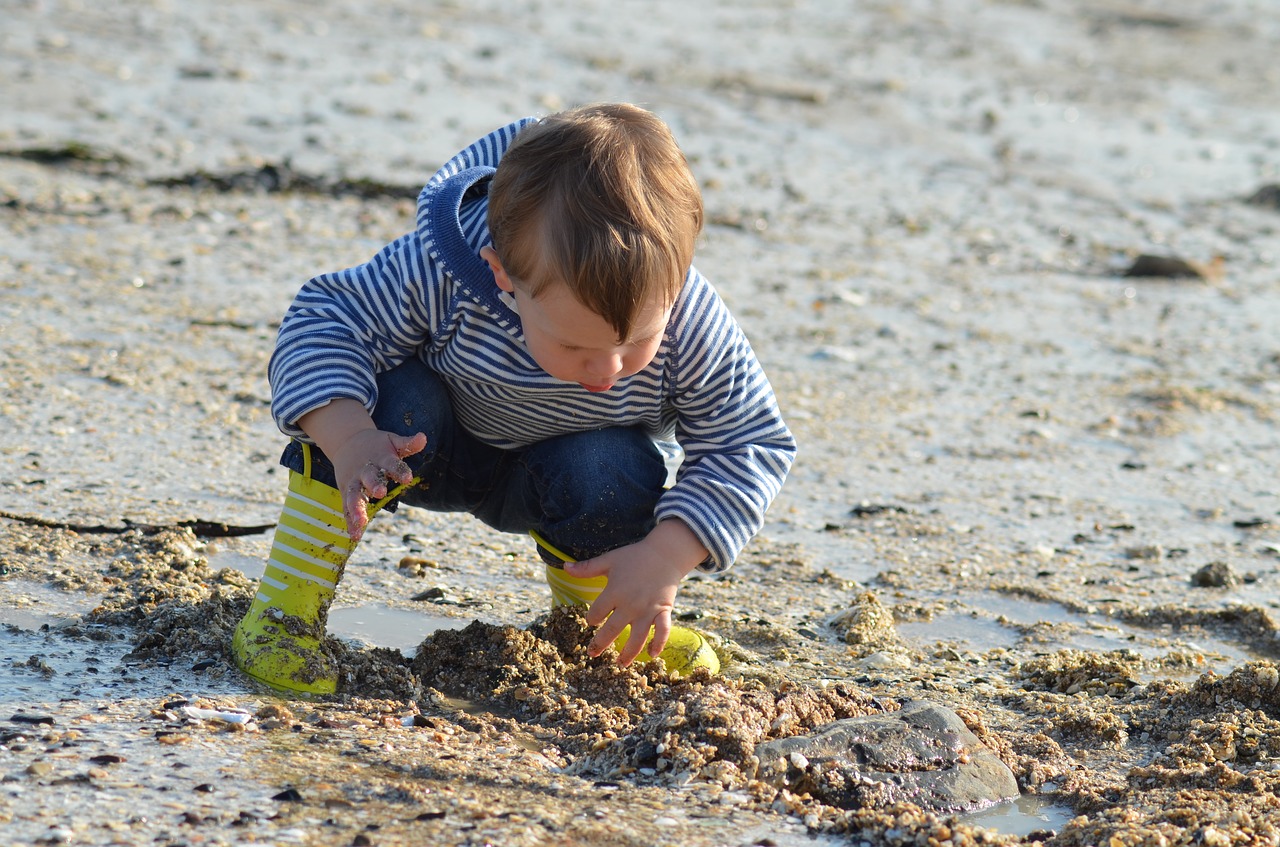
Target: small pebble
[1167,267]
[1216,575]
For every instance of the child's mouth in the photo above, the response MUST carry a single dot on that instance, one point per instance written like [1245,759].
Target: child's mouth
[596,389]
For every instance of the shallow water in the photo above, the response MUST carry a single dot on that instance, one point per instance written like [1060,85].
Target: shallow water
[367,624]
[1021,815]
[42,668]
[967,631]
[379,625]
[29,605]
[979,623]
[249,564]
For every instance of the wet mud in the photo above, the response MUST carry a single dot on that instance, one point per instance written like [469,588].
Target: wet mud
[1076,727]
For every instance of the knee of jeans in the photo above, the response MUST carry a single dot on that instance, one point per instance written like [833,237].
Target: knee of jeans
[411,398]
[623,459]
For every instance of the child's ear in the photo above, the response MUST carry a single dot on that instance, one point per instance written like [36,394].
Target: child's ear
[499,273]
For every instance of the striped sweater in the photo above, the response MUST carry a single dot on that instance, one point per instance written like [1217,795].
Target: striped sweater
[429,294]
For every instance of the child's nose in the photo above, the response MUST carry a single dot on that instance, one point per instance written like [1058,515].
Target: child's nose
[605,366]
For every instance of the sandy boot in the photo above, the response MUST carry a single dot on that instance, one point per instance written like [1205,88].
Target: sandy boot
[686,650]
[278,641]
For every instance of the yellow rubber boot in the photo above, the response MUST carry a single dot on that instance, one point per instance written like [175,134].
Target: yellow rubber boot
[686,650]
[278,641]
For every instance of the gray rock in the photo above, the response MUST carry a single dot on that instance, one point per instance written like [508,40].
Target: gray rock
[922,754]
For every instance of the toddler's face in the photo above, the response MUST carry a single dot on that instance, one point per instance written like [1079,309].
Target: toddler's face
[573,343]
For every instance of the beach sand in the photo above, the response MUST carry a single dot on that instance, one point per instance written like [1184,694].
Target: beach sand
[1036,483]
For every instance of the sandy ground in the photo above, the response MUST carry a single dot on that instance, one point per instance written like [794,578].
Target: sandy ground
[1036,485]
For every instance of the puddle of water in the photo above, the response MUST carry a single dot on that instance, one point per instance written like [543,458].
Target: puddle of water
[1217,656]
[25,619]
[382,626]
[1096,635]
[1020,610]
[977,634]
[979,631]
[27,604]
[251,566]
[1021,816]
[373,624]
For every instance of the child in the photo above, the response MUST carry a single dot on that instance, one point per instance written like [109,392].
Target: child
[519,357]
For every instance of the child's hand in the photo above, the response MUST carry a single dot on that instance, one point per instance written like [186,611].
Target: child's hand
[641,592]
[364,457]
[363,467]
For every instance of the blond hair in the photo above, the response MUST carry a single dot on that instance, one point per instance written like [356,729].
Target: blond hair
[601,199]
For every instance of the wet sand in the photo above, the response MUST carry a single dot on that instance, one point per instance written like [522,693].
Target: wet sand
[1036,485]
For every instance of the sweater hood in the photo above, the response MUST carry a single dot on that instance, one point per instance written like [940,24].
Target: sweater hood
[451,244]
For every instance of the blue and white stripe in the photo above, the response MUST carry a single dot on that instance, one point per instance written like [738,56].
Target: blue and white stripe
[428,294]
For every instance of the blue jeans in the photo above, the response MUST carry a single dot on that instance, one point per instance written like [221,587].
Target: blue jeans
[585,492]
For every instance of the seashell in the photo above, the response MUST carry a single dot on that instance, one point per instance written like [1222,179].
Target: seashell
[1268,677]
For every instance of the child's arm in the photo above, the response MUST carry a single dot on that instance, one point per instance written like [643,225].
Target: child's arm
[641,592]
[364,457]
[737,448]
[346,327]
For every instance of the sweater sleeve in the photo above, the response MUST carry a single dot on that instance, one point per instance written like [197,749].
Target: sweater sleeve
[344,328]
[738,450]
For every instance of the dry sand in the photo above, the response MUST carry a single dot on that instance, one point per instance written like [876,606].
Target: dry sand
[1036,485]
